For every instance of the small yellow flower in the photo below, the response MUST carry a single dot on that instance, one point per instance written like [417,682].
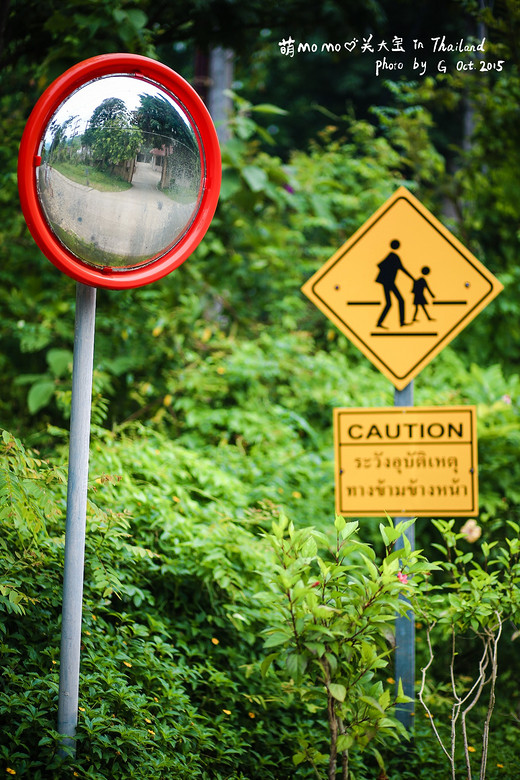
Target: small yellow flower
[221,370]
[167,400]
[155,698]
[151,732]
[127,663]
[296,494]
[54,662]
[390,680]
[500,766]
[471,749]
[81,709]
[228,712]
[215,641]
[251,714]
[147,720]
[10,771]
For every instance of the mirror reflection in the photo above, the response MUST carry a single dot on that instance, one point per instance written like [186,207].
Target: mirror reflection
[121,172]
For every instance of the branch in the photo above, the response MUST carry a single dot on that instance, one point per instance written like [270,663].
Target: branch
[421,694]
[344,753]
[491,705]
[455,710]
[333,724]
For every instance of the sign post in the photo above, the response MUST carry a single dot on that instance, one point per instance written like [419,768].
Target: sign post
[413,462]
[401,288]
[404,659]
[112,237]
[76,512]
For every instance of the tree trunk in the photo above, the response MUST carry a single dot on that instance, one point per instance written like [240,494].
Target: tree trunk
[221,78]
[213,76]
[333,727]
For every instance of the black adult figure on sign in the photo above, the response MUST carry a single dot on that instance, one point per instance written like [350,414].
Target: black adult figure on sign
[388,269]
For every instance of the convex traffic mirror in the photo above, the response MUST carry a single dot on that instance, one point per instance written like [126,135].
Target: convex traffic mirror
[119,171]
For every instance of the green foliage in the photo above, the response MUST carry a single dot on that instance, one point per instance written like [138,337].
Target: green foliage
[110,135]
[336,610]
[169,627]
[469,610]
[215,388]
[284,218]
[469,173]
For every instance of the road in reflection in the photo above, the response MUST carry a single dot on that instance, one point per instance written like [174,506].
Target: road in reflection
[115,228]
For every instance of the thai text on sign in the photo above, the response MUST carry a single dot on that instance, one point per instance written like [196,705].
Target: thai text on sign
[406,461]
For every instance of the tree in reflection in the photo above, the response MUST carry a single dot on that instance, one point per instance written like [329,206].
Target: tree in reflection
[170,139]
[112,138]
[64,138]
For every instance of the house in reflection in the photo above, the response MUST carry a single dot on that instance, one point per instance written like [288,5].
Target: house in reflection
[160,164]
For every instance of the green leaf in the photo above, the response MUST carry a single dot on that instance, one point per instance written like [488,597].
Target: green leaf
[333,662]
[255,177]
[309,548]
[59,361]
[296,665]
[349,530]
[384,699]
[379,758]
[266,663]
[401,697]
[338,691]
[137,17]
[276,638]
[344,742]
[385,537]
[231,184]
[40,394]
[372,702]
[268,108]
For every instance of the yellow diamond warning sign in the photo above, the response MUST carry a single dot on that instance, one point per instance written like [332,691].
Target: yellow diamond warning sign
[406,461]
[402,287]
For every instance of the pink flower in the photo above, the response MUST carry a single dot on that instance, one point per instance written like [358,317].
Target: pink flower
[402,577]
[471,530]
[506,399]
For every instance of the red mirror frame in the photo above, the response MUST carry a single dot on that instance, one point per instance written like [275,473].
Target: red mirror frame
[29,160]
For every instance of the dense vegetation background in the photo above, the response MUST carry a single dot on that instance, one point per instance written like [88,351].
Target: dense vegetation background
[212,408]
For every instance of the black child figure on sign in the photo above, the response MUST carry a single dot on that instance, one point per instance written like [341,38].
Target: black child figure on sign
[418,293]
[388,269]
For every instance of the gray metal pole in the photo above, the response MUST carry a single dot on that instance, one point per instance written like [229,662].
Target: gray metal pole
[76,514]
[405,625]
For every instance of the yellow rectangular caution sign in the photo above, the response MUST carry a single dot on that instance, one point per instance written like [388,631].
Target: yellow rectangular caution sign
[406,461]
